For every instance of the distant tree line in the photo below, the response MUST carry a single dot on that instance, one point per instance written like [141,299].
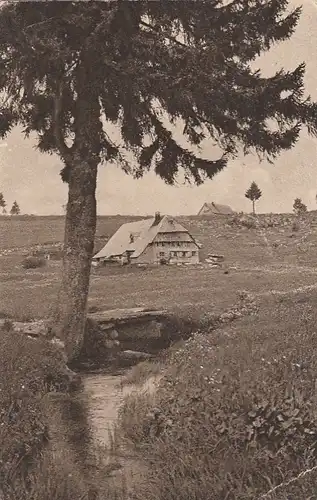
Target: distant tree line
[15,209]
[254,193]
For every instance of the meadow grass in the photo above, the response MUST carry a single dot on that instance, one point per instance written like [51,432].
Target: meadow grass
[189,291]
[235,412]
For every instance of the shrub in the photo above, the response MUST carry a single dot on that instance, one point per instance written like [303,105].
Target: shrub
[249,223]
[299,207]
[33,262]
[242,220]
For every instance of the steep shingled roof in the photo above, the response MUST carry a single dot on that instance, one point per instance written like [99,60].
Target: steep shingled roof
[143,231]
[216,208]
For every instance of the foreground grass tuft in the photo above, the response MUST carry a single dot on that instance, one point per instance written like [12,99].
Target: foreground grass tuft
[140,373]
[33,262]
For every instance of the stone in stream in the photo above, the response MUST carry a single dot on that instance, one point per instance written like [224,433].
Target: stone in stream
[135,355]
[113,335]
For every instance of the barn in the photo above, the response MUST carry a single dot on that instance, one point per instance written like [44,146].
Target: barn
[215,209]
[156,240]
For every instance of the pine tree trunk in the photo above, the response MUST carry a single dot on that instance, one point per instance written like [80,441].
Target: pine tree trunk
[81,166]
[253,206]
[80,227]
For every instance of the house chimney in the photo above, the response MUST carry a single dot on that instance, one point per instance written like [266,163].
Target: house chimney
[131,238]
[157,217]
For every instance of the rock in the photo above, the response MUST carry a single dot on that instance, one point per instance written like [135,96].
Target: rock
[109,344]
[34,329]
[106,326]
[155,329]
[113,334]
[59,343]
[135,355]
[106,317]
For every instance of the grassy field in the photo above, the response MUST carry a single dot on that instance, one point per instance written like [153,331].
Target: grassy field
[278,265]
[259,260]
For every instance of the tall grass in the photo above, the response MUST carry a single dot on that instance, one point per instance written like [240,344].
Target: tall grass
[141,372]
[44,434]
[236,412]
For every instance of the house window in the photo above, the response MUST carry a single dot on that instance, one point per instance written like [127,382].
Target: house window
[184,254]
[162,254]
[193,254]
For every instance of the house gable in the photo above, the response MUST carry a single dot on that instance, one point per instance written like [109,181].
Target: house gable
[144,239]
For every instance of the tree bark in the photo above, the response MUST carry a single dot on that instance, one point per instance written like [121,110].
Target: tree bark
[80,227]
[253,206]
[81,165]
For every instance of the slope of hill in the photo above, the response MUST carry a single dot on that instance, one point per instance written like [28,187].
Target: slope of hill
[260,259]
[275,238]
[26,231]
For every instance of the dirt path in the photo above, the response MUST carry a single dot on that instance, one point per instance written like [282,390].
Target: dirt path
[292,291]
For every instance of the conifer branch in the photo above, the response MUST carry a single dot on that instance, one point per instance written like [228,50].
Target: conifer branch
[169,37]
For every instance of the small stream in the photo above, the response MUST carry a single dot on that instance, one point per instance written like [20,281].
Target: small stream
[104,394]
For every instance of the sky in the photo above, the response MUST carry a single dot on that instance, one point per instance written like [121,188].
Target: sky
[33,179]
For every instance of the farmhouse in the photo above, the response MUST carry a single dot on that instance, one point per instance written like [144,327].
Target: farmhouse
[215,209]
[157,240]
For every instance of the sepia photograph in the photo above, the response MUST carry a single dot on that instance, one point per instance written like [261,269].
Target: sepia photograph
[158,250]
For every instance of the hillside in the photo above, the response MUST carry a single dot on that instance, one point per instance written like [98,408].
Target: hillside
[278,238]
[25,231]
[279,254]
